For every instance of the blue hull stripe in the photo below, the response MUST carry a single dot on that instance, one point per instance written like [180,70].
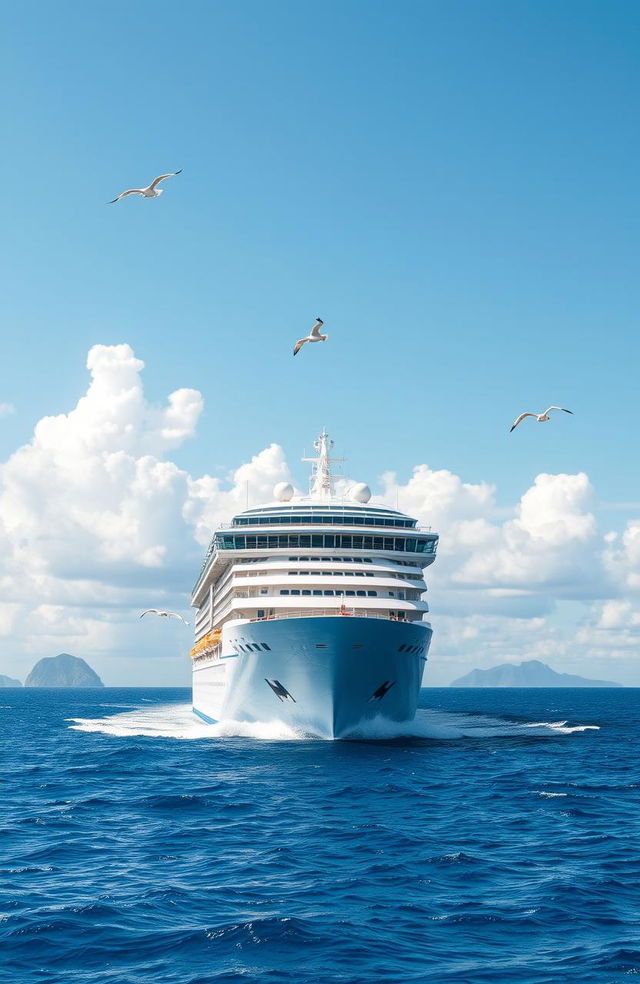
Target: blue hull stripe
[205,717]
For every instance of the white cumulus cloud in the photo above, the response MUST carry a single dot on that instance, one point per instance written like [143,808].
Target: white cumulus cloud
[97,521]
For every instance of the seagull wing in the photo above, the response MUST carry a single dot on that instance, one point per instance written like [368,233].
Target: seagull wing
[149,611]
[549,409]
[520,418]
[175,615]
[299,345]
[315,331]
[156,181]
[131,191]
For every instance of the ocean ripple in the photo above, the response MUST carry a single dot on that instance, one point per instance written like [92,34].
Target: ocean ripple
[493,838]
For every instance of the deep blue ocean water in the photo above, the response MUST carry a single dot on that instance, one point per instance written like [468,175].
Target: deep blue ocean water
[498,841]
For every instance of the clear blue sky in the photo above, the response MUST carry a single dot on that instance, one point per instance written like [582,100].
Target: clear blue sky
[452,186]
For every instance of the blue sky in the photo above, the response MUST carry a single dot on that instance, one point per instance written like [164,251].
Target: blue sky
[451,186]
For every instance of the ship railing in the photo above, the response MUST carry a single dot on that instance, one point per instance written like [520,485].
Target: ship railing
[277,527]
[324,613]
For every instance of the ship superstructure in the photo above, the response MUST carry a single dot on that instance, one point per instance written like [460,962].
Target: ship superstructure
[311,609]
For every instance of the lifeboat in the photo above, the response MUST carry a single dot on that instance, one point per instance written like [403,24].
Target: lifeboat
[207,642]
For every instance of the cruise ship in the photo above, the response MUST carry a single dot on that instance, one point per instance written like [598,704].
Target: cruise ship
[310,609]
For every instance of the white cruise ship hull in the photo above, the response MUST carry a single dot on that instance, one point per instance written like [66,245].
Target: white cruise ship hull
[325,675]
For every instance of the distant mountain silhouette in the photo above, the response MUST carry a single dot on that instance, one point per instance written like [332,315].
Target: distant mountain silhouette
[532,673]
[6,681]
[62,671]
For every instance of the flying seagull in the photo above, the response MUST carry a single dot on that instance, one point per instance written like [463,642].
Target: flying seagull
[315,336]
[540,417]
[152,191]
[156,611]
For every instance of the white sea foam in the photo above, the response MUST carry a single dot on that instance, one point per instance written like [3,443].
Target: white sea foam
[563,728]
[443,725]
[179,721]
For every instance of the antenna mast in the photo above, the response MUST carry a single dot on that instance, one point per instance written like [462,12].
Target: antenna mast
[321,486]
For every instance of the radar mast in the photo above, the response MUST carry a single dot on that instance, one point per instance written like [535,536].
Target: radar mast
[321,483]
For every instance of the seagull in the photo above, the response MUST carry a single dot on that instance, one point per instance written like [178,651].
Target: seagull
[152,191]
[540,417]
[156,611]
[315,336]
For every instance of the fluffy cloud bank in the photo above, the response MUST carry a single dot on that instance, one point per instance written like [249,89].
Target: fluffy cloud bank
[96,521]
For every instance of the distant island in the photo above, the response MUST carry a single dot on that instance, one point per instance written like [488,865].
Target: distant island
[532,673]
[63,670]
[6,681]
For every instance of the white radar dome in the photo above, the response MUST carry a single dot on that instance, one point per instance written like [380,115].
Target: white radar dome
[360,492]
[283,491]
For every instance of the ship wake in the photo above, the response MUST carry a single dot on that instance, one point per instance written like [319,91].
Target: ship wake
[179,721]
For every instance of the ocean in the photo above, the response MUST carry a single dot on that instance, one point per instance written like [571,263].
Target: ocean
[497,839]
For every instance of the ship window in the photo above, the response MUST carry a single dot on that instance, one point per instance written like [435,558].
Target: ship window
[316,558]
[294,591]
[336,573]
[255,647]
[361,594]
[367,542]
[372,594]
[358,573]
[266,647]
[264,590]
[339,592]
[285,591]
[316,540]
[346,541]
[328,593]
[306,592]
[351,594]
[411,545]
[392,594]
[357,543]
[317,592]
[378,543]
[329,540]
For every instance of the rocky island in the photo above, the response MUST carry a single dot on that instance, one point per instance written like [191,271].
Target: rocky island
[531,673]
[6,681]
[63,670]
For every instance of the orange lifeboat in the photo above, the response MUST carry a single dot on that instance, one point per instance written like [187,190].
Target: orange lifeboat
[207,642]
